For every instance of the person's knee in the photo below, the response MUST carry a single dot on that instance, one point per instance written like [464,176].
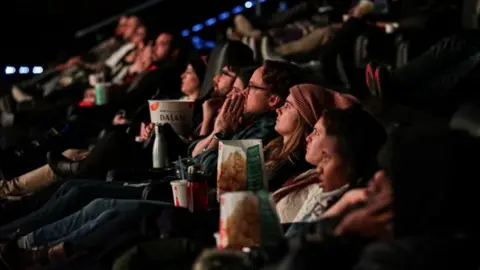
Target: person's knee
[101,203]
[75,154]
[73,184]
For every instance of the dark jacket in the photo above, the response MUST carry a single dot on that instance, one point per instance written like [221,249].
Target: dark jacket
[434,251]
[432,171]
[286,169]
[255,126]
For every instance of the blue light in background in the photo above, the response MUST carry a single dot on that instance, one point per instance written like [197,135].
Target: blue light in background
[210,44]
[185,33]
[282,6]
[197,27]
[237,9]
[224,16]
[210,21]
[196,40]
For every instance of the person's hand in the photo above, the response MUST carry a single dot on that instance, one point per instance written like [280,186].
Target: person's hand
[210,107]
[367,223]
[229,116]
[145,130]
[89,96]
[375,218]
[120,119]
[349,199]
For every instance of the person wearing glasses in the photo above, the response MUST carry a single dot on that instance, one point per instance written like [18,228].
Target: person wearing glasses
[242,80]
[250,114]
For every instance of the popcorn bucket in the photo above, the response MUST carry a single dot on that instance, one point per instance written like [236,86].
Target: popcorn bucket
[177,113]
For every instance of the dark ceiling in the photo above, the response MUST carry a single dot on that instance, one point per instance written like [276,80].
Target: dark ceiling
[38,29]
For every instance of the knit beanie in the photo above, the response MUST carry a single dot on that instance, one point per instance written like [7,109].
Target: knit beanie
[311,100]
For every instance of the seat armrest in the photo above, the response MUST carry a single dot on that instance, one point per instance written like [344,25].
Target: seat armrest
[138,175]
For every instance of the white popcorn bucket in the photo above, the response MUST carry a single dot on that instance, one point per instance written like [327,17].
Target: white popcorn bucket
[177,113]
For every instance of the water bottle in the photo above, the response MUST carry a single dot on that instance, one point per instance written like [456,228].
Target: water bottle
[197,189]
[159,152]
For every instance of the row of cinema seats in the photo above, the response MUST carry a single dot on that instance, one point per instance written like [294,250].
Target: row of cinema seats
[396,43]
[403,46]
[400,52]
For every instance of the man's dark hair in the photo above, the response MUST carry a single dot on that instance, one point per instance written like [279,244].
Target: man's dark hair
[279,77]
[245,73]
[359,138]
[177,41]
[237,56]
[140,21]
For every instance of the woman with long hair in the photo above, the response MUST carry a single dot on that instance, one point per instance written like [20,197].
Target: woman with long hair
[286,158]
[296,119]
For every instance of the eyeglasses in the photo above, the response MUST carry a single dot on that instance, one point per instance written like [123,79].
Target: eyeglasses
[255,87]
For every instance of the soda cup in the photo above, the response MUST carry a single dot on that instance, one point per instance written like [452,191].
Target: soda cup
[101,93]
[180,194]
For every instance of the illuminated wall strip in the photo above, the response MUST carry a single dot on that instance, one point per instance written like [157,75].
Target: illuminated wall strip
[11,70]
[221,17]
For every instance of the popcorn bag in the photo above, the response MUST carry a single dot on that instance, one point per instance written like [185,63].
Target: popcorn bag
[248,219]
[240,166]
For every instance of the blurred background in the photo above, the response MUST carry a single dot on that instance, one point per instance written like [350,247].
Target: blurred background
[39,33]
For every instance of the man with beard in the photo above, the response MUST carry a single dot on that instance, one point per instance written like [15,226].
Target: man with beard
[237,56]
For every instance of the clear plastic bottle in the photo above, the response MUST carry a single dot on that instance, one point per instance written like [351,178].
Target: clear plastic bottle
[159,152]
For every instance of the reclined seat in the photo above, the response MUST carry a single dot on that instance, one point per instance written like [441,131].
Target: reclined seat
[216,61]
[467,118]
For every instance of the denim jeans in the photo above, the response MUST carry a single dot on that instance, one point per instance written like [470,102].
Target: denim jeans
[98,213]
[69,198]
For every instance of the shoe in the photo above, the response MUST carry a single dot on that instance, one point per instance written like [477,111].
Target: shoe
[14,258]
[307,44]
[243,25]
[363,8]
[62,166]
[268,53]
[19,96]
[382,80]
[370,79]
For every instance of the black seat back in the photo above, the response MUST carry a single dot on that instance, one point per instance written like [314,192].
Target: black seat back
[215,63]
[467,118]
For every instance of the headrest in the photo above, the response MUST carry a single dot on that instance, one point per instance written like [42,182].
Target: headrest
[467,118]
